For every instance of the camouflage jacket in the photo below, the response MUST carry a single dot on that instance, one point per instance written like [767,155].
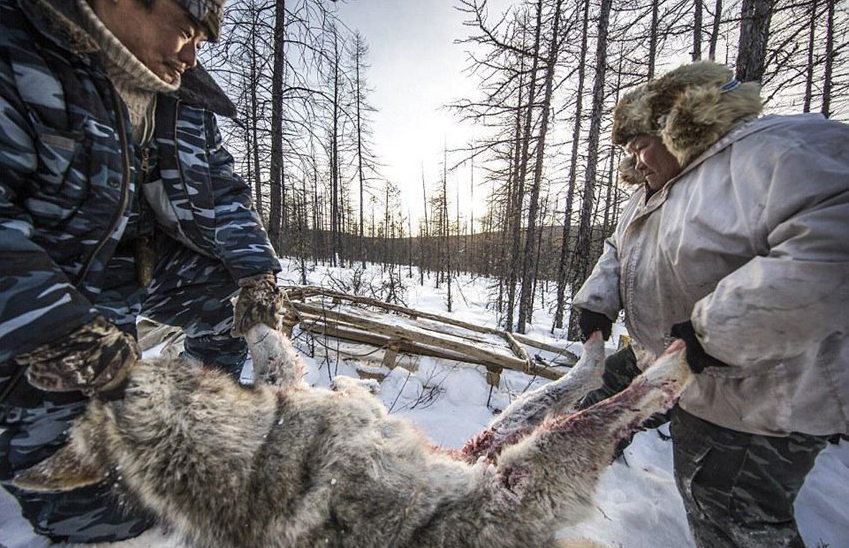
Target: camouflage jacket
[69,173]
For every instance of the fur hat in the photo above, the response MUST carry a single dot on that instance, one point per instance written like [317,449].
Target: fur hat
[207,12]
[628,173]
[690,108]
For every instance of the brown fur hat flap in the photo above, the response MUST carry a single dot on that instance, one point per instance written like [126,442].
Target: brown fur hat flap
[633,115]
[690,107]
[628,173]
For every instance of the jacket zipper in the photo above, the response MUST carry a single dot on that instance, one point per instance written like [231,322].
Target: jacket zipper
[125,188]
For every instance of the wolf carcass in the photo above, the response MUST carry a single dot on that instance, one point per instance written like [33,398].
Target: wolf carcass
[281,464]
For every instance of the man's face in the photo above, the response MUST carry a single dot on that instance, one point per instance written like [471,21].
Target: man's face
[654,161]
[165,38]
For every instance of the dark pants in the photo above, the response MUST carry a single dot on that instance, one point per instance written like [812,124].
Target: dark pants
[739,488]
[188,290]
[88,514]
[193,292]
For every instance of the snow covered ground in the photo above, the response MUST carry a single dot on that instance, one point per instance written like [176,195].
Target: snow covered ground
[637,503]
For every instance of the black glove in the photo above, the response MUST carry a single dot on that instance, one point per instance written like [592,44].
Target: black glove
[94,358]
[697,358]
[590,321]
[620,369]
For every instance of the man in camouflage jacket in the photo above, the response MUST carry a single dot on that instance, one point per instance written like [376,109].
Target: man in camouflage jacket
[116,199]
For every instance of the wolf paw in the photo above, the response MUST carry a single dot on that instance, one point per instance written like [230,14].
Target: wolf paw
[348,384]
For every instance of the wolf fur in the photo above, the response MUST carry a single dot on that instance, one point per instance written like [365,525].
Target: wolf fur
[284,465]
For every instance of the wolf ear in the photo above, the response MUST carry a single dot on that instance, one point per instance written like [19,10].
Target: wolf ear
[63,471]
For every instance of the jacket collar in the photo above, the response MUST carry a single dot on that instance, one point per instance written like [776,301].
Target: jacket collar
[60,22]
[650,203]
[745,127]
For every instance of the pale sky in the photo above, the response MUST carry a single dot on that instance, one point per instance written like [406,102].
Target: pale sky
[415,69]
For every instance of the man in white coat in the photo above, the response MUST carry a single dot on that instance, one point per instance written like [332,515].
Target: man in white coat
[737,242]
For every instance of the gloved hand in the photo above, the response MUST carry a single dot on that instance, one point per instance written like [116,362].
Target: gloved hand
[590,321]
[620,369]
[697,358]
[260,301]
[94,359]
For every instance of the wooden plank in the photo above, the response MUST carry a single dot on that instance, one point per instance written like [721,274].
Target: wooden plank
[504,360]
[418,339]
[391,353]
[425,324]
[333,329]
[493,376]
[407,347]
[562,351]
[517,348]
[313,290]
[355,317]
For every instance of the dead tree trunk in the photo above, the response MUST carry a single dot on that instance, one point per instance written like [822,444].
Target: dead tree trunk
[528,267]
[275,220]
[754,33]
[359,53]
[423,236]
[829,61]
[562,268]
[583,247]
[522,170]
[334,157]
[446,226]
[697,30]
[653,32]
[714,35]
[253,131]
[809,66]
[513,209]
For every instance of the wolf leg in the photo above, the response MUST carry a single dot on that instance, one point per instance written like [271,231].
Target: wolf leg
[275,360]
[528,411]
[553,472]
[257,312]
[342,383]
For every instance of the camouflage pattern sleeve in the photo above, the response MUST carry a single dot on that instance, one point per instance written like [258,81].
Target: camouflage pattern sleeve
[242,243]
[37,301]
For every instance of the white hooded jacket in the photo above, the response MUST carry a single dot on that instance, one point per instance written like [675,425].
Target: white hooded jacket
[751,243]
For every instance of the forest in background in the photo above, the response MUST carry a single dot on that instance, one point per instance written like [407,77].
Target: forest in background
[548,72]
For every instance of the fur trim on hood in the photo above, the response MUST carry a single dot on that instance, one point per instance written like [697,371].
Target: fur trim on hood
[60,21]
[690,108]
